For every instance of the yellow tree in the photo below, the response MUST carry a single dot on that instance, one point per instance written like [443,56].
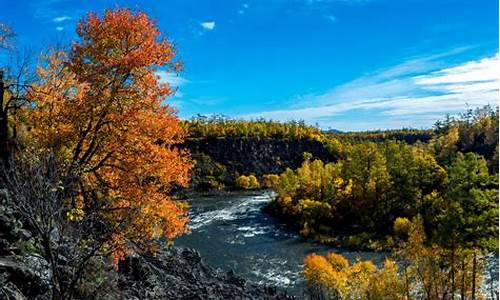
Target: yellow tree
[99,108]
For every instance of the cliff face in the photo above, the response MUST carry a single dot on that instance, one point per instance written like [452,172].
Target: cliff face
[258,156]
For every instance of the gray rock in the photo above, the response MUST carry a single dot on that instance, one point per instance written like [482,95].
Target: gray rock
[180,273]
[21,278]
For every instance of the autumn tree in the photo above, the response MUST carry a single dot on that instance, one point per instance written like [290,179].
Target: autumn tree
[253,182]
[332,277]
[469,214]
[222,126]
[270,180]
[243,182]
[100,108]
[473,131]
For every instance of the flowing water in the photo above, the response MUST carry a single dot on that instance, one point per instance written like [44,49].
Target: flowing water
[232,232]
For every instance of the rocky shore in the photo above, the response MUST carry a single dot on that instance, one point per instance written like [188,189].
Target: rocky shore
[175,273]
[180,273]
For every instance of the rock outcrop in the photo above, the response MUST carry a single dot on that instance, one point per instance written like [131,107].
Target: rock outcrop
[246,155]
[180,273]
[177,273]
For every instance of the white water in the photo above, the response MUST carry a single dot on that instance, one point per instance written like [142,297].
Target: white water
[232,232]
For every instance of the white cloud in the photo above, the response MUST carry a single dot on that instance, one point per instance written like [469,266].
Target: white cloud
[419,89]
[485,69]
[61,19]
[173,79]
[59,28]
[208,25]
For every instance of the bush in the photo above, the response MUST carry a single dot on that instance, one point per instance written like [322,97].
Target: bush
[247,182]
[337,261]
[243,182]
[401,227]
[254,183]
[270,180]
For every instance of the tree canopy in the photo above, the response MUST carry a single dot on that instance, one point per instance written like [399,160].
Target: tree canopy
[99,108]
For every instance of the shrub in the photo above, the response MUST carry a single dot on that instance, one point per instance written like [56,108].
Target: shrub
[253,182]
[243,182]
[401,227]
[337,261]
[270,180]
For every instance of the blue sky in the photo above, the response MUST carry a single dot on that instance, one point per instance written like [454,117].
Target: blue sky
[344,64]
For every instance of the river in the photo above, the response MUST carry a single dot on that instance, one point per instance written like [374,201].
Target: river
[232,232]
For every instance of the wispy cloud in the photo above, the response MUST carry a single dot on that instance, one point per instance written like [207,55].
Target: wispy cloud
[190,106]
[331,18]
[206,101]
[59,28]
[172,79]
[50,10]
[243,8]
[61,19]
[413,94]
[208,25]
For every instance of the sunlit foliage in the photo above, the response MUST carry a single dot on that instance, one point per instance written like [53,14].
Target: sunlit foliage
[247,182]
[220,126]
[474,131]
[99,108]
[410,136]
[269,180]
[332,277]
[423,271]
[370,188]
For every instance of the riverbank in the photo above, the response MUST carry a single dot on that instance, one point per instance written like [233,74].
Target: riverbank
[181,273]
[356,242]
[360,241]
[232,232]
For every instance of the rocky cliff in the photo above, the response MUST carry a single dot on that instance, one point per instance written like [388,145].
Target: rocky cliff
[246,155]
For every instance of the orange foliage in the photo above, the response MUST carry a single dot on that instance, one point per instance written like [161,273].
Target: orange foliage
[320,272]
[99,108]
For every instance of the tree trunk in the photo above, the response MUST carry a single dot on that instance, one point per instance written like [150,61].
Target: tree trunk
[453,270]
[462,288]
[474,266]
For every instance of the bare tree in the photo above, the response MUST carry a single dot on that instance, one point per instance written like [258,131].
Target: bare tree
[15,80]
[66,238]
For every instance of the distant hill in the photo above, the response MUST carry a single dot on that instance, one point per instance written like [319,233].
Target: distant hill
[332,130]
